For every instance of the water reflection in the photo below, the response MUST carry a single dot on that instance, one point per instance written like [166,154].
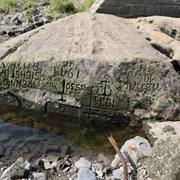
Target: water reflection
[31,134]
[30,143]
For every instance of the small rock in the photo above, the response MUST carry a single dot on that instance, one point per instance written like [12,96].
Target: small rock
[17,169]
[106,170]
[16,19]
[118,173]
[50,165]
[102,158]
[99,173]
[66,169]
[38,176]
[116,162]
[45,20]
[83,163]
[37,12]
[136,148]
[98,166]
[86,174]
[37,21]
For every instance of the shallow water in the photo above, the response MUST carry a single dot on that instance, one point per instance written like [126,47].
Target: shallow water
[31,134]
[30,143]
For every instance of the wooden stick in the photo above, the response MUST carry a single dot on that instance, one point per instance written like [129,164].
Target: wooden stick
[114,144]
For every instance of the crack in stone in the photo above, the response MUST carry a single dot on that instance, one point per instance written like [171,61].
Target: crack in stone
[167,52]
[176,66]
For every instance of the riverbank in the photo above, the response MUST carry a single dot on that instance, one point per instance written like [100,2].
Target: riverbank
[89,167]
[33,136]
[61,163]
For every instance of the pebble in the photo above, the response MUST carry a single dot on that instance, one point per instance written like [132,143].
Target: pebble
[118,173]
[70,168]
[86,174]
[38,176]
[83,163]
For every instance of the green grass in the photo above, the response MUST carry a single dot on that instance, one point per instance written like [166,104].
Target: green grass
[63,6]
[8,5]
[84,5]
[60,6]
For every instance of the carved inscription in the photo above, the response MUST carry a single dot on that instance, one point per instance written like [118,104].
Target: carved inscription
[18,75]
[66,69]
[103,96]
[140,81]
[65,79]
[101,93]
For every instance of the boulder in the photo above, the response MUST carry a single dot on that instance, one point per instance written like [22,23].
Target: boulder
[164,162]
[78,66]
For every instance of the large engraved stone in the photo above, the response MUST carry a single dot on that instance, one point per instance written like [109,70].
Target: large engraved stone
[163,163]
[92,66]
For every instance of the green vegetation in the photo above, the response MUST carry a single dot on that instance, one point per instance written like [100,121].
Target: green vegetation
[60,6]
[63,6]
[8,5]
[84,5]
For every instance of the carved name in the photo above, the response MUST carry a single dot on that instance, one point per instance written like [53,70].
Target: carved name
[66,79]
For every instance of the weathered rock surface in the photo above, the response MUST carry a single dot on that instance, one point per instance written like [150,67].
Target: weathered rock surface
[164,162]
[18,169]
[157,131]
[163,33]
[81,67]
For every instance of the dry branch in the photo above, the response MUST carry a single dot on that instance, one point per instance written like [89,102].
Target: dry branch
[114,144]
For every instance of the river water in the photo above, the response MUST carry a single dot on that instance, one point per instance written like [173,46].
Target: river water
[32,134]
[29,143]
